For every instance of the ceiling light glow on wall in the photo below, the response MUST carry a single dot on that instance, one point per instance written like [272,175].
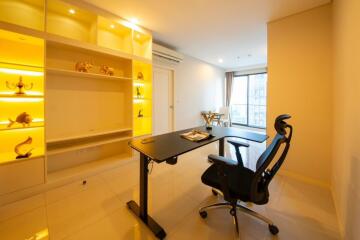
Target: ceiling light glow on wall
[129,24]
[134,21]
[21,72]
[72,11]
[220,60]
[112,26]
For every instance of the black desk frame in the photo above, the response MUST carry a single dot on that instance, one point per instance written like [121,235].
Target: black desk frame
[142,210]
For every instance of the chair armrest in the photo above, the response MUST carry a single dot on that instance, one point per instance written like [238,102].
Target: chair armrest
[238,144]
[221,160]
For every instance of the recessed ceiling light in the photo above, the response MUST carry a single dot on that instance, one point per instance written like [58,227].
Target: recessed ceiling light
[72,11]
[112,26]
[220,60]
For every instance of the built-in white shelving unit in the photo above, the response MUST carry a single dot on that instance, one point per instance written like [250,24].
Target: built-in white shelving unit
[84,120]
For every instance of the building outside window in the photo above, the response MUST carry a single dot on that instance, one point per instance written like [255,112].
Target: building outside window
[248,102]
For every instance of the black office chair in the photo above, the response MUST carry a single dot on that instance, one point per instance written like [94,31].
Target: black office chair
[238,183]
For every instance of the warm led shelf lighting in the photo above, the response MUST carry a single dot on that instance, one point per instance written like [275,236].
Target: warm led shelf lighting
[20,99]
[35,120]
[21,72]
[138,100]
[139,84]
[28,94]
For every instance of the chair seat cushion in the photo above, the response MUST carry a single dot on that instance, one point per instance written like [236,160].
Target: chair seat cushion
[239,181]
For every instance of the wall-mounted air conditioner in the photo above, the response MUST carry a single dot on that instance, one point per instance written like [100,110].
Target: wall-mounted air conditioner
[163,54]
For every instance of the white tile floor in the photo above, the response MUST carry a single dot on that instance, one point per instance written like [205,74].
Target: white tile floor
[98,209]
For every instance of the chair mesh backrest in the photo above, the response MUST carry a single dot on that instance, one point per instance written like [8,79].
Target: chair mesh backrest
[263,175]
[270,152]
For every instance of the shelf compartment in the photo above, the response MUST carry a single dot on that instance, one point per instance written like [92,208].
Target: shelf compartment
[9,139]
[70,21]
[66,57]
[111,34]
[26,13]
[86,107]
[69,73]
[76,157]
[21,50]
[11,109]
[142,44]
[142,126]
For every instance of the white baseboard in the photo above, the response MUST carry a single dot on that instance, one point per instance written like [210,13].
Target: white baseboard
[337,206]
[305,179]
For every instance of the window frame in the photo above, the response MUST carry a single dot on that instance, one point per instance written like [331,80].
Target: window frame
[247,103]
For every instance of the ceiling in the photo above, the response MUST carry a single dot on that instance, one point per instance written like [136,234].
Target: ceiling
[233,30]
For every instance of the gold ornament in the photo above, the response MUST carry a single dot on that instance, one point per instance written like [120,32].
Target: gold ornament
[24,118]
[21,86]
[22,151]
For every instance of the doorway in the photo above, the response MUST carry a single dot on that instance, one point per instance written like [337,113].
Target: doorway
[163,100]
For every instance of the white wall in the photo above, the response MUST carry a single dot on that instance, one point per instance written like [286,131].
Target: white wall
[346,138]
[300,84]
[198,87]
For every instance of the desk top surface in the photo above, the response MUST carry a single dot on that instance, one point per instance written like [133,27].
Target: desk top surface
[165,146]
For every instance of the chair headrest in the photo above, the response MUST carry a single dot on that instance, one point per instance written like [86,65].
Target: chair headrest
[280,124]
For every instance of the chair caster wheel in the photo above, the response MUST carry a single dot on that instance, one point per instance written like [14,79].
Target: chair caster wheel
[215,193]
[203,214]
[233,212]
[273,229]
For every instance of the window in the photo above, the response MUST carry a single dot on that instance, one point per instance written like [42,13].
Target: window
[248,101]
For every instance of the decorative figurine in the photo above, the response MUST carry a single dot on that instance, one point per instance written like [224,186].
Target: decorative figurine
[83,67]
[140,76]
[21,86]
[107,70]
[24,118]
[22,151]
[140,114]
[138,93]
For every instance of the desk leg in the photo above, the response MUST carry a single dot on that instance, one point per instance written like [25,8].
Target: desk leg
[142,210]
[222,147]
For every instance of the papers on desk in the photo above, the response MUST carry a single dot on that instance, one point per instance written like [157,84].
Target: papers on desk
[196,135]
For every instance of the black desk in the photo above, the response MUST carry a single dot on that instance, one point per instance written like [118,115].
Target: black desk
[167,147]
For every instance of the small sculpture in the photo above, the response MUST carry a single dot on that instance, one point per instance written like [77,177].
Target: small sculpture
[22,151]
[21,86]
[83,67]
[138,93]
[24,118]
[107,70]
[140,114]
[140,76]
